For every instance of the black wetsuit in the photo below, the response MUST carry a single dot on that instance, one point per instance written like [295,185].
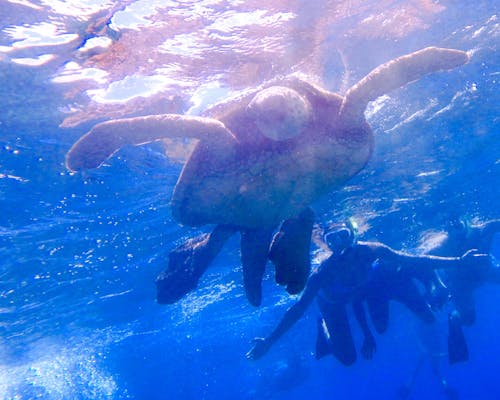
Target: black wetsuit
[358,275]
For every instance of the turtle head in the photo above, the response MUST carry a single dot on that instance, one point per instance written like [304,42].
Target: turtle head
[279,112]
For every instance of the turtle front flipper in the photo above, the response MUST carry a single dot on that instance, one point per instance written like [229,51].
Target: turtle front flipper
[397,73]
[188,262]
[254,251]
[104,139]
[290,250]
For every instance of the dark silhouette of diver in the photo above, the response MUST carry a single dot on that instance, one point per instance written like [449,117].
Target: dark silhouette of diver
[355,273]
[432,351]
[462,283]
[461,236]
[280,376]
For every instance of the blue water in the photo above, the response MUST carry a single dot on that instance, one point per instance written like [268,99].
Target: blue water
[79,252]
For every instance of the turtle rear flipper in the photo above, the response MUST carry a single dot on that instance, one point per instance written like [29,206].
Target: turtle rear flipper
[254,251]
[289,251]
[188,262]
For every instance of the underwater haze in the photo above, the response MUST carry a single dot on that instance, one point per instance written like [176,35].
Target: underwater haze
[80,252]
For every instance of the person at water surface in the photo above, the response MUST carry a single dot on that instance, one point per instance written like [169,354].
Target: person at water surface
[358,272]
[461,235]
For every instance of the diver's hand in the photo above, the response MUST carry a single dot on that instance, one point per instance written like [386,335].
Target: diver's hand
[474,257]
[369,347]
[260,348]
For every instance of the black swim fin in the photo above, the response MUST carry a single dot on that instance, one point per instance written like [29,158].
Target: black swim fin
[322,340]
[457,346]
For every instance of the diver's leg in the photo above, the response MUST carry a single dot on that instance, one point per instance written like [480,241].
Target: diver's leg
[458,350]
[462,283]
[463,298]
[378,308]
[379,314]
[406,292]
[289,251]
[450,392]
[437,293]
[405,390]
[323,346]
[339,331]
[254,252]
[188,262]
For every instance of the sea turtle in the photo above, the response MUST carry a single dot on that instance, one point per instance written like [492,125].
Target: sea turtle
[260,160]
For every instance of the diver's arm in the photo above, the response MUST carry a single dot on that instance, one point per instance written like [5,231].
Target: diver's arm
[369,347]
[419,264]
[292,315]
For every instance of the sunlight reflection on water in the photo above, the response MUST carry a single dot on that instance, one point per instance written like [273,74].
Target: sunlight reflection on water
[60,369]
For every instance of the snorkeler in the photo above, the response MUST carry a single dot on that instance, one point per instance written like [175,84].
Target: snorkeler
[357,272]
[460,236]
[432,352]
[462,282]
